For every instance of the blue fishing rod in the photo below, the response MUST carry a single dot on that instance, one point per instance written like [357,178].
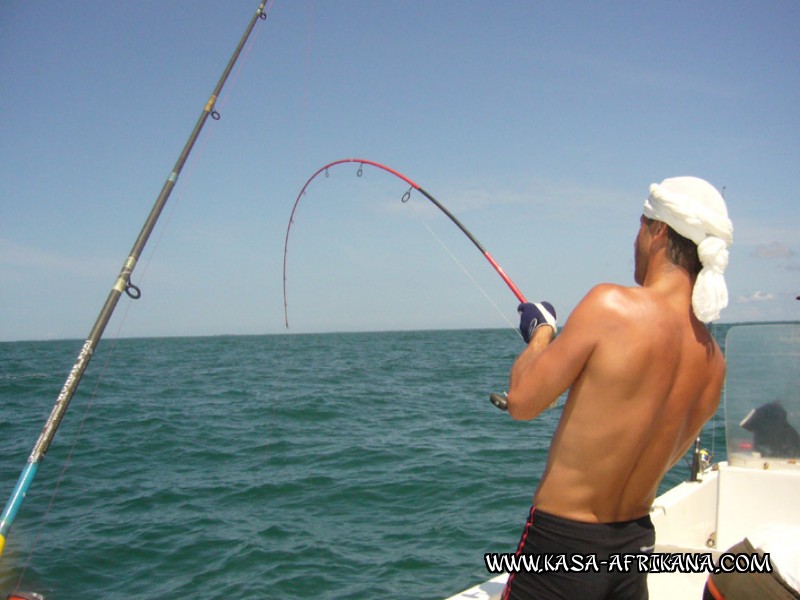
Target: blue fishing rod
[122,284]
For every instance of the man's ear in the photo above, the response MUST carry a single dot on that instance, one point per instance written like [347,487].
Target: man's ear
[659,228]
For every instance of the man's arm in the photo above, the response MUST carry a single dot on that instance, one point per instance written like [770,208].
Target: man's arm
[524,363]
[546,370]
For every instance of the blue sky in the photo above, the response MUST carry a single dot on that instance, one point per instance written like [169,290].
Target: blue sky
[539,125]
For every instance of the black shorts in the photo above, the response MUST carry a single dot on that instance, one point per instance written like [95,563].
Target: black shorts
[574,548]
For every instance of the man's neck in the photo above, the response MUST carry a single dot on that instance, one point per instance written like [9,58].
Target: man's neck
[669,280]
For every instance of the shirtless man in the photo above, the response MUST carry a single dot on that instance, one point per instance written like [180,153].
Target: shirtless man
[643,374]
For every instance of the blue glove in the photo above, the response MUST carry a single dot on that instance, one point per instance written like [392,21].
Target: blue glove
[535,315]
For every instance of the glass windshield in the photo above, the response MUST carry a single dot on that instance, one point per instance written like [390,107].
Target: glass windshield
[762,395]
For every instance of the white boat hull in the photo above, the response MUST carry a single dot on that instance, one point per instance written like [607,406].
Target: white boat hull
[705,517]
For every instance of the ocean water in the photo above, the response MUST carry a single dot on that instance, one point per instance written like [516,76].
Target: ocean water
[360,465]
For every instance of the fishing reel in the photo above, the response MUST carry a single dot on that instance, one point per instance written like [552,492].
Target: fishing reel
[701,461]
[499,400]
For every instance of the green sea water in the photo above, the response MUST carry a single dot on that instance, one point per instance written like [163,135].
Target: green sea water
[359,465]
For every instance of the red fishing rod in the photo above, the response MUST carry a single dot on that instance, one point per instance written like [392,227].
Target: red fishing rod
[406,197]
[499,400]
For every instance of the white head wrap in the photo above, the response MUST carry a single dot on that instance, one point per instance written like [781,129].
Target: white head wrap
[697,211]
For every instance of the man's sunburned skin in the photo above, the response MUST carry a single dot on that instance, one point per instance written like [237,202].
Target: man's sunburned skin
[643,374]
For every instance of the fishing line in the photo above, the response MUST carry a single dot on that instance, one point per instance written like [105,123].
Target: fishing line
[305,95]
[405,198]
[79,433]
[68,459]
[468,274]
[194,159]
[243,61]
[133,290]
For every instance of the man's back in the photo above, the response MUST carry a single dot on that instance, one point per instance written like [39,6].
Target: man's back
[647,376]
[643,376]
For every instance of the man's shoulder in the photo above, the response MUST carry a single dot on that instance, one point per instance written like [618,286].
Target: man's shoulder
[605,307]
[611,299]
[610,289]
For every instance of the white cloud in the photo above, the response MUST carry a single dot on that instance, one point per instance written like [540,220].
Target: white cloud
[773,250]
[758,296]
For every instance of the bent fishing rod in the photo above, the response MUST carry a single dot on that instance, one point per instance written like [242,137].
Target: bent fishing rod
[406,197]
[499,400]
[122,284]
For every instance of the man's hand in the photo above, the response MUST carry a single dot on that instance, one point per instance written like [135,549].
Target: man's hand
[535,315]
